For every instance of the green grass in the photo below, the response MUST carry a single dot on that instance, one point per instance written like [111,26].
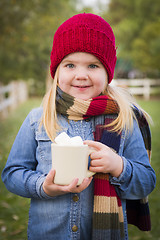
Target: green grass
[14,209]
[153,108]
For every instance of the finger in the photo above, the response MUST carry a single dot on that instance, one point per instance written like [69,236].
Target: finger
[97,169]
[72,185]
[96,163]
[82,186]
[85,183]
[50,176]
[95,155]
[94,144]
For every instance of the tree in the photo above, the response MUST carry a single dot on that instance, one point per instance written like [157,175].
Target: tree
[27,31]
[136,25]
[146,49]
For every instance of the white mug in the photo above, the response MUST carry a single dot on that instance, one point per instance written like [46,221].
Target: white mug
[70,162]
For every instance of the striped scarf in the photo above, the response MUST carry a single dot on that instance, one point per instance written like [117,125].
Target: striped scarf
[108,220]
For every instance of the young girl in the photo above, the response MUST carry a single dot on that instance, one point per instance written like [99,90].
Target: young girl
[82,102]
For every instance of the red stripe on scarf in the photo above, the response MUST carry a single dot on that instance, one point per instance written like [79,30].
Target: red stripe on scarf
[97,106]
[103,188]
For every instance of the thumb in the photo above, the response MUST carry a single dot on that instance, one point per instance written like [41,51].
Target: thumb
[50,176]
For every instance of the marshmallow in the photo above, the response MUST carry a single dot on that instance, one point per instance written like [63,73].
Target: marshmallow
[64,139]
[76,141]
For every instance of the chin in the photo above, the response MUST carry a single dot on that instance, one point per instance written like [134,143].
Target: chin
[80,97]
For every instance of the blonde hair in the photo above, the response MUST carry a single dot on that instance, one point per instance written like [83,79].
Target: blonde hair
[124,120]
[49,117]
[126,103]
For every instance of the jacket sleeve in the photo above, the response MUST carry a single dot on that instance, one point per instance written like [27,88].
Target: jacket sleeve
[138,177]
[20,175]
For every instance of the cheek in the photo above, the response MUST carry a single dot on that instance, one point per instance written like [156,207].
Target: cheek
[62,85]
[62,81]
[61,76]
[104,80]
[64,78]
[105,84]
[102,87]
[101,82]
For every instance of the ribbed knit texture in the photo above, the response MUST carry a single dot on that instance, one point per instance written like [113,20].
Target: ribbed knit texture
[138,212]
[107,213]
[85,32]
[78,109]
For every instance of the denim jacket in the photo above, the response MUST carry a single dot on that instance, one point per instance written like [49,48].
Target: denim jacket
[69,216]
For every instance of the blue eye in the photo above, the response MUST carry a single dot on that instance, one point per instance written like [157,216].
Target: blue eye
[70,65]
[93,66]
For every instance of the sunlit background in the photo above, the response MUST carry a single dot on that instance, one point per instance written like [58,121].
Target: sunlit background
[27,29]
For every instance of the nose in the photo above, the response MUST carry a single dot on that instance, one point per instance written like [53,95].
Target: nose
[78,77]
[81,74]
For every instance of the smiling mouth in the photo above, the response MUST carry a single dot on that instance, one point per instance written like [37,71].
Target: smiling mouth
[81,86]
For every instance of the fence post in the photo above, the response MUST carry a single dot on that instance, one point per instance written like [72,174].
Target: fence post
[4,112]
[12,95]
[147,90]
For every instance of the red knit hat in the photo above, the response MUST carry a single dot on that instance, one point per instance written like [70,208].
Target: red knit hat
[85,32]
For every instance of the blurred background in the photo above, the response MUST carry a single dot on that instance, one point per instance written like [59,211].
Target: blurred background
[27,29]
[26,34]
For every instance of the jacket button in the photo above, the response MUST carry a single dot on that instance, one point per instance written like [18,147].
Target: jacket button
[75,198]
[74,228]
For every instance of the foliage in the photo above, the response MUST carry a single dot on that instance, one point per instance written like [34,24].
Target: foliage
[147,47]
[136,25]
[27,29]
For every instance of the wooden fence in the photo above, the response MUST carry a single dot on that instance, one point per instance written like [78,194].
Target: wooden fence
[144,87]
[16,92]
[12,95]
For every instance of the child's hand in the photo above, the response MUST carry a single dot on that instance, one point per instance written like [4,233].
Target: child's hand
[104,159]
[52,189]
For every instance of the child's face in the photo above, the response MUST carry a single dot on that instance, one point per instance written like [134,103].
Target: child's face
[82,75]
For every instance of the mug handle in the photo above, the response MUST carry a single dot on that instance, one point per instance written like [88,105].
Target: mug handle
[89,173]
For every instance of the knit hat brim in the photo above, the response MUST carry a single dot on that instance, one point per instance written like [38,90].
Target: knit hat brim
[81,37]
